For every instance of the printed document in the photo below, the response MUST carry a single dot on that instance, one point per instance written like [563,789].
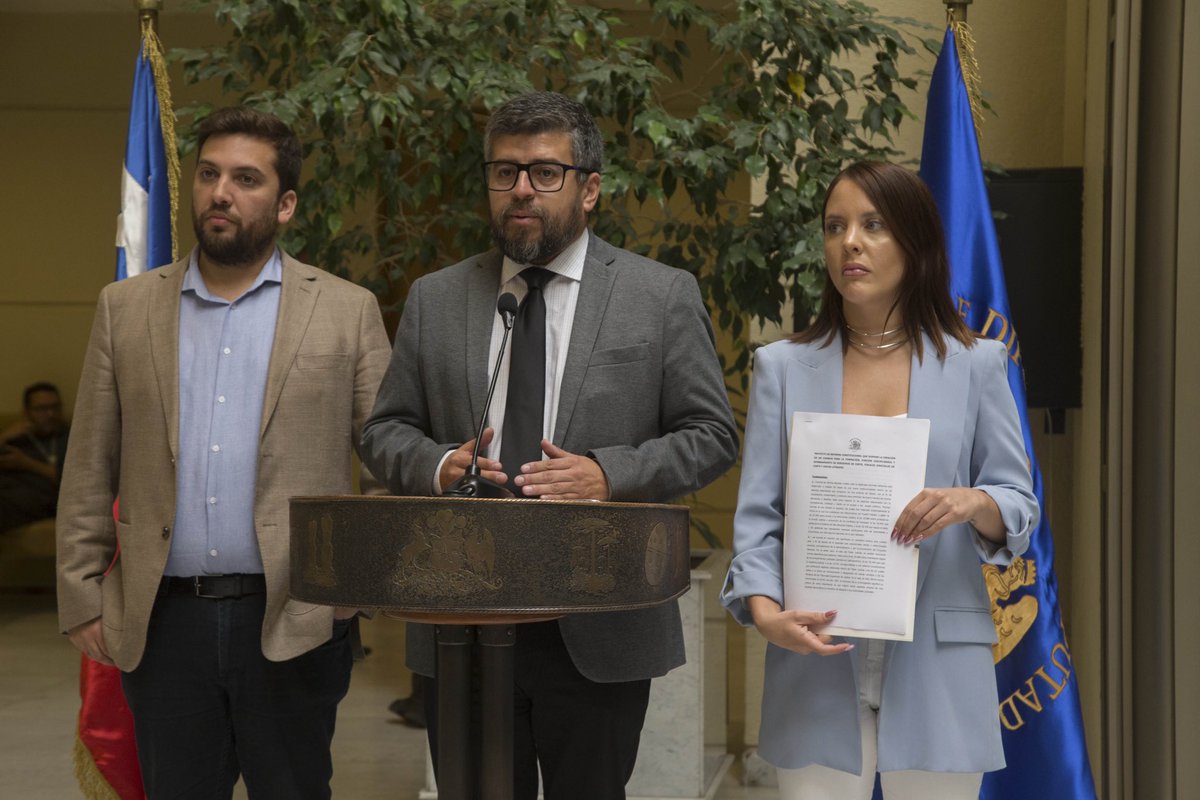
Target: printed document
[849,477]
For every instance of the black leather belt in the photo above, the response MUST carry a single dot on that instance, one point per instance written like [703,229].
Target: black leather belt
[217,587]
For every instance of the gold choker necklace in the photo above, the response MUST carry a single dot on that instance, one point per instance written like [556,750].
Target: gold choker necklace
[881,334]
[865,346]
[888,346]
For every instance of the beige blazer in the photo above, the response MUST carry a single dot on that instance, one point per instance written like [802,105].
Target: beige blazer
[329,354]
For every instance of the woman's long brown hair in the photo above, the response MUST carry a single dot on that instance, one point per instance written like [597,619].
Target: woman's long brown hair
[908,208]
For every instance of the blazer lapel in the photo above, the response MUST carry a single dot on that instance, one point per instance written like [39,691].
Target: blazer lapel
[594,291]
[164,343]
[938,392]
[297,298]
[814,380]
[482,285]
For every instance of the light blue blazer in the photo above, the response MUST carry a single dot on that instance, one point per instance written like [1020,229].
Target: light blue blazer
[938,707]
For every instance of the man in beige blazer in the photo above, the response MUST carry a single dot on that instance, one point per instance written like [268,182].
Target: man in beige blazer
[213,390]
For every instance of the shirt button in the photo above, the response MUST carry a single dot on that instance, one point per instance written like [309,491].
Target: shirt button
[216,448]
[212,501]
[226,351]
[221,399]
[212,552]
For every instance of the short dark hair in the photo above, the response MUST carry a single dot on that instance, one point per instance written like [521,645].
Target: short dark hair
[911,214]
[549,112]
[260,125]
[40,386]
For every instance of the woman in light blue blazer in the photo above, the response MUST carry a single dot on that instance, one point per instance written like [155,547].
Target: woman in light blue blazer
[886,342]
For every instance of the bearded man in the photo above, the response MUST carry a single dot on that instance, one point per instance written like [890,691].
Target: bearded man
[214,389]
[611,390]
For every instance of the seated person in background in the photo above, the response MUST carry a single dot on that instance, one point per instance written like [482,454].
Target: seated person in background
[31,455]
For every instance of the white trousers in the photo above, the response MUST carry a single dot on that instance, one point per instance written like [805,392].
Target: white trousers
[816,782]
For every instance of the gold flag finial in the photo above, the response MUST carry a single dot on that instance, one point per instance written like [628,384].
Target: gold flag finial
[148,10]
[957,9]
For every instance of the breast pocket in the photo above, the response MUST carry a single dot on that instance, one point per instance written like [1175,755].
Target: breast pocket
[621,388]
[321,360]
[620,355]
[964,625]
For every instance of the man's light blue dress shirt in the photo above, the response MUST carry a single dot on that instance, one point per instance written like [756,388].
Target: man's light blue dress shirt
[224,352]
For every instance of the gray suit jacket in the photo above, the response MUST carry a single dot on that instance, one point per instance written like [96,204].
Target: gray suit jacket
[641,392]
[938,710]
[329,353]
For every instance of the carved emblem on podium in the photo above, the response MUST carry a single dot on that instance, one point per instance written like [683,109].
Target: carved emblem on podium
[447,556]
[592,556]
[1014,620]
[658,554]
[319,568]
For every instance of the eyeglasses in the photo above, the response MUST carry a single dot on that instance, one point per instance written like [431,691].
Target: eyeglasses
[544,176]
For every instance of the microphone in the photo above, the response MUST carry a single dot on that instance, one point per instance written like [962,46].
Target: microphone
[472,483]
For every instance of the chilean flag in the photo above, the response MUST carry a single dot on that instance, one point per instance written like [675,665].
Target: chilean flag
[144,235]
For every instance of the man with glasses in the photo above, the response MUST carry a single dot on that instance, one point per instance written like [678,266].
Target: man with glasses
[611,390]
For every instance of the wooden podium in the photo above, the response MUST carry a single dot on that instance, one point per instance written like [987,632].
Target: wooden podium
[475,567]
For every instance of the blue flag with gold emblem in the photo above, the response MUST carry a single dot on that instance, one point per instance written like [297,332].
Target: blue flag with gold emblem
[1039,697]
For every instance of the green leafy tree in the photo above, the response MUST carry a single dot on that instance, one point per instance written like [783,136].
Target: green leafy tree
[390,98]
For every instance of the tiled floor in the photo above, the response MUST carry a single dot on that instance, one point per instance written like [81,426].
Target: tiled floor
[375,755]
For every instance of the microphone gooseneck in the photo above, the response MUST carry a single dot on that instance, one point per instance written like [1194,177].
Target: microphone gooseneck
[506,306]
[472,483]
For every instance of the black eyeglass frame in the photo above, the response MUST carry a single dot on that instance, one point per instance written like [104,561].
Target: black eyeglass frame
[526,167]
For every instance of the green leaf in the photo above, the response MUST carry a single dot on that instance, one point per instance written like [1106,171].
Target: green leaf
[657,131]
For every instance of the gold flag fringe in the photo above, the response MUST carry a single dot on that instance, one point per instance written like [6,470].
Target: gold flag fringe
[152,50]
[970,69]
[91,779]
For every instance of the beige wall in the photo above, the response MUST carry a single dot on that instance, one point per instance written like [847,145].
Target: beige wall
[1036,97]
[64,108]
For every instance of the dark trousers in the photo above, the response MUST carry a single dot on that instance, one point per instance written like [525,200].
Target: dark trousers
[207,705]
[584,734]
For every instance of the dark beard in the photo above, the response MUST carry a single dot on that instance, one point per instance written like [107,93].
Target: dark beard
[557,234]
[248,244]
